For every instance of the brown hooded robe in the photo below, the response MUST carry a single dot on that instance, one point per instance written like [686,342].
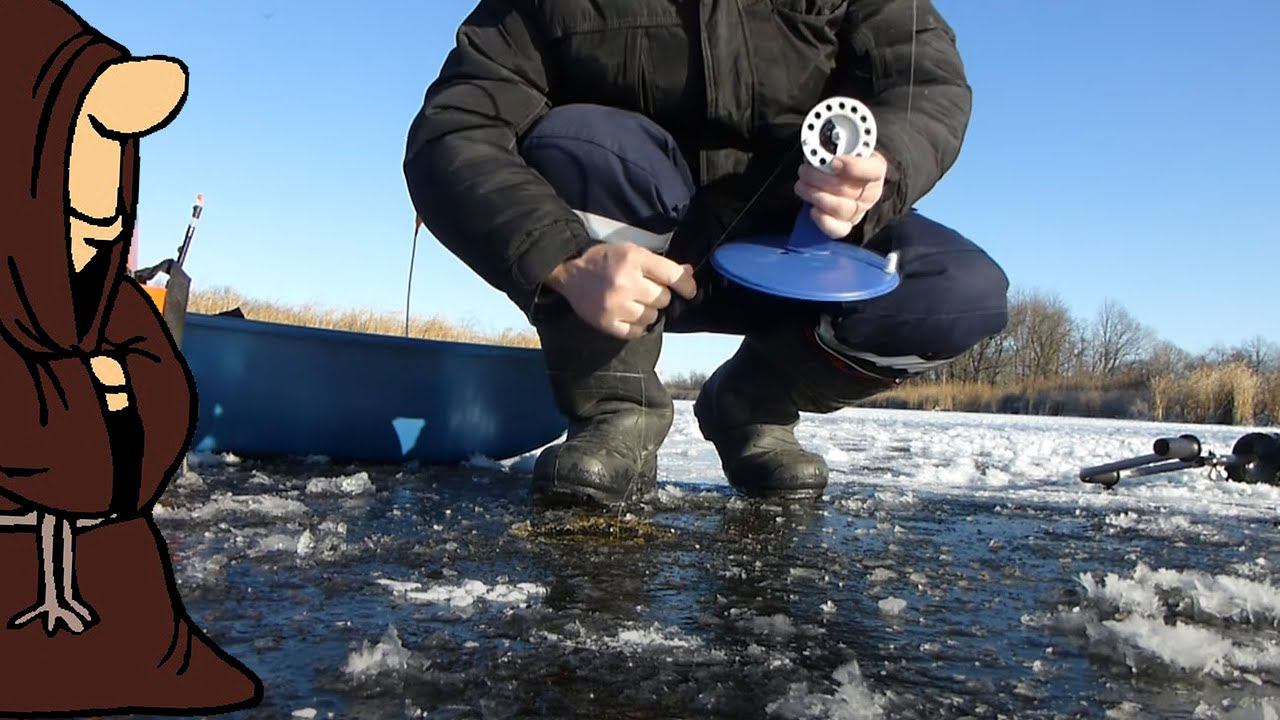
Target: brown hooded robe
[61,452]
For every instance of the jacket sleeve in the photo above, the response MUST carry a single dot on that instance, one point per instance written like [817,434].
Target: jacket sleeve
[921,108]
[466,177]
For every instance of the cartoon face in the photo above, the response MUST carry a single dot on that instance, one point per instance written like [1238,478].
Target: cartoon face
[129,99]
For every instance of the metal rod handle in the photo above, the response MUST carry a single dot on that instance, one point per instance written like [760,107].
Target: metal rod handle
[1115,467]
[1166,467]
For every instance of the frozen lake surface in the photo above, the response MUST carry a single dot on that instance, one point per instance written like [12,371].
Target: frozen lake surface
[956,568]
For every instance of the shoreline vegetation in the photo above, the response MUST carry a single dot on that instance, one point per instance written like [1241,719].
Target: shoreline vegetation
[1046,362]
[1110,365]
[1231,394]
[223,299]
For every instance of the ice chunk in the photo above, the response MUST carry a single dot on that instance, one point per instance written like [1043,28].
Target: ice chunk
[204,459]
[523,465]
[306,543]
[1131,617]
[1185,647]
[468,592]
[483,462]
[388,655]
[223,504]
[634,638]
[399,586]
[892,606]
[777,625]
[358,484]
[851,700]
[277,543]
[880,575]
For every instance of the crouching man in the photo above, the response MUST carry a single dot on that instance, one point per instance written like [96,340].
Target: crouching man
[585,158]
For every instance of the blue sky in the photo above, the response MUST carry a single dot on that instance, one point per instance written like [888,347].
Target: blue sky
[1117,149]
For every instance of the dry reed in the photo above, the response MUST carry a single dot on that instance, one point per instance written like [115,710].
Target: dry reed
[221,299]
[1230,393]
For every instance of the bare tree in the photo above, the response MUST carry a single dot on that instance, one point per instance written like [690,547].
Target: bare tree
[1117,338]
[1043,331]
[1164,359]
[1260,354]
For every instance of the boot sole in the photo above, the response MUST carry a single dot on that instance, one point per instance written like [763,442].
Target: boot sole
[799,495]
[587,495]
[560,497]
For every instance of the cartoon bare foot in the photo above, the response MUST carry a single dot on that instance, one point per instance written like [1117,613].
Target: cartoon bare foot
[56,586]
[53,614]
[67,587]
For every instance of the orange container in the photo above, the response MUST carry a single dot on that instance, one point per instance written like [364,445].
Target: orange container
[157,295]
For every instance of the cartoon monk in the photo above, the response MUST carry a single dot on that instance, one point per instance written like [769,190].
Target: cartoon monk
[96,404]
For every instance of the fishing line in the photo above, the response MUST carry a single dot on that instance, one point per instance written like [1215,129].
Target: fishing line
[408,293]
[724,235]
[911,73]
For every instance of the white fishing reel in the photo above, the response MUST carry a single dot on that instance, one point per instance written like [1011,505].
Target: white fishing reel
[808,265]
[834,127]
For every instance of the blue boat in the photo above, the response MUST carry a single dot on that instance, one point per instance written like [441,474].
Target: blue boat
[272,390]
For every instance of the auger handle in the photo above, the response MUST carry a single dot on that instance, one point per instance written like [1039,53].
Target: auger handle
[1172,454]
[1183,447]
[1109,473]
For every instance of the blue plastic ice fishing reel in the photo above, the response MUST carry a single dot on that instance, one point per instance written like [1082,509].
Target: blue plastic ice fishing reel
[808,265]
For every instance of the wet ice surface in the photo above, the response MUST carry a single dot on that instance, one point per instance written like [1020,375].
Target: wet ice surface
[956,568]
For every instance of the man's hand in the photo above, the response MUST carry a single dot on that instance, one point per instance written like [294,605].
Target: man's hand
[842,198]
[620,288]
[110,373]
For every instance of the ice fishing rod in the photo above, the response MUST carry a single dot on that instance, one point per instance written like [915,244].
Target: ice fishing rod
[196,211]
[1255,458]
[177,289]
[167,266]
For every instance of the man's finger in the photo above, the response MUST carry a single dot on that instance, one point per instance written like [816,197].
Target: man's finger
[648,316]
[626,330]
[654,295]
[636,312]
[860,169]
[838,207]
[833,228]
[677,277]
[817,179]
[685,284]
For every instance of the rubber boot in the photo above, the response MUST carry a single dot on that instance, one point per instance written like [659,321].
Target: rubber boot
[619,413]
[749,408]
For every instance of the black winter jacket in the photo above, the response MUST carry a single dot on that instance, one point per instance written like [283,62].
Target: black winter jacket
[731,80]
